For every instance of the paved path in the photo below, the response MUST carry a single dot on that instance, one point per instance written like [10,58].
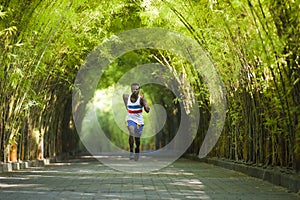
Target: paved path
[88,179]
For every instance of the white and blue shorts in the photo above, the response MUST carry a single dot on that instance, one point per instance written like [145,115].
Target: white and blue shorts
[138,128]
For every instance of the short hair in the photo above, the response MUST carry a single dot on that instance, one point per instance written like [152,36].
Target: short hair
[134,84]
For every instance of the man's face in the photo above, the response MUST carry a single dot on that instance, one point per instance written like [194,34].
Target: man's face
[135,89]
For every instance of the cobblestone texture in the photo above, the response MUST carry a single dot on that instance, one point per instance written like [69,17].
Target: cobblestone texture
[183,179]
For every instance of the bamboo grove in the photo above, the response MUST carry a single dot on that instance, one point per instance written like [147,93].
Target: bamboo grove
[253,43]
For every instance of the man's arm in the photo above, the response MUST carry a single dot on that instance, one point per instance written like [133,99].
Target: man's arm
[146,106]
[144,103]
[125,99]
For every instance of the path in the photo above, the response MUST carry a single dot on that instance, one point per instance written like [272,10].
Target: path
[89,179]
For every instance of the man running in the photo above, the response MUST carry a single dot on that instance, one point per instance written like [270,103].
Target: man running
[134,119]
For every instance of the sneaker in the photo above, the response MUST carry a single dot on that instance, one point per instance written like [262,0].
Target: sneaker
[131,156]
[136,156]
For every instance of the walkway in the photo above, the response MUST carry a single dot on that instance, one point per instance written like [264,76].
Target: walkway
[89,179]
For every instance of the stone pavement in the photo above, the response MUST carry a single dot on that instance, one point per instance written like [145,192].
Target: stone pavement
[89,179]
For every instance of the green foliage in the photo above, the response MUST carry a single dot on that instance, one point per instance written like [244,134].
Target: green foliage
[254,45]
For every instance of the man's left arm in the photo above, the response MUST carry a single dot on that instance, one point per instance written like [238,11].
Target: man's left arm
[145,104]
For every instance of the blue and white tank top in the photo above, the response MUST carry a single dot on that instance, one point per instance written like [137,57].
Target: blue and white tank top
[135,111]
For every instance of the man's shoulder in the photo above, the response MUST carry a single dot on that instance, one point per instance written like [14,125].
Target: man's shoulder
[125,95]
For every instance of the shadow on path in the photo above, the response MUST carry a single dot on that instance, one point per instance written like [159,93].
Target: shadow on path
[87,178]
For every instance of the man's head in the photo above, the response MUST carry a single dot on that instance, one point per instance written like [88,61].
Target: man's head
[135,88]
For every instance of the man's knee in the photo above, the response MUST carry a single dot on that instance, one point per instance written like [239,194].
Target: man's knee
[131,130]
[137,141]
[130,139]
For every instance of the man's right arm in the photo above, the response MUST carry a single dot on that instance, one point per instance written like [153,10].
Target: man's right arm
[125,99]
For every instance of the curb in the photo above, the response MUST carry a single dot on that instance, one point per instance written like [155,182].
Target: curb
[16,166]
[290,180]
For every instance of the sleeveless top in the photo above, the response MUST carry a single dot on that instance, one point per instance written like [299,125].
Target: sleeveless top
[134,111]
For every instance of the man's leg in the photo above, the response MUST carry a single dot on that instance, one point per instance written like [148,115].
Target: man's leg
[138,141]
[131,141]
[137,148]
[137,144]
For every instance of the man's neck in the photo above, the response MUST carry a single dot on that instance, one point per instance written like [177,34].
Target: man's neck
[133,98]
